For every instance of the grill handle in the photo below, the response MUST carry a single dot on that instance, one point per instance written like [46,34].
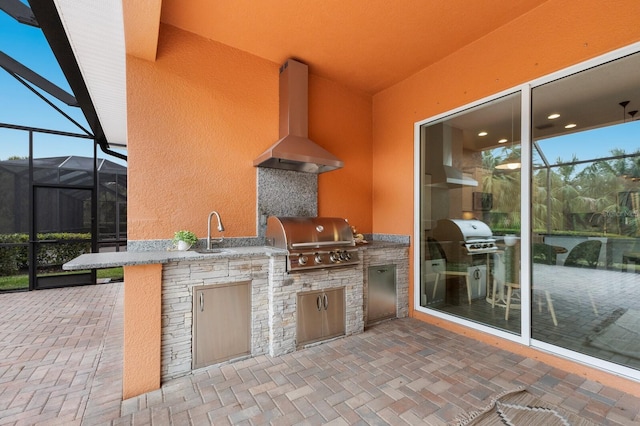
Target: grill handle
[321,244]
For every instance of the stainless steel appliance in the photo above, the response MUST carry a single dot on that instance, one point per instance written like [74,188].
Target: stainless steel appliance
[465,246]
[313,242]
[320,315]
[460,238]
[381,293]
[294,150]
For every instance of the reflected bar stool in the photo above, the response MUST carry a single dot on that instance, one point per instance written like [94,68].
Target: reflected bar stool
[514,286]
[455,274]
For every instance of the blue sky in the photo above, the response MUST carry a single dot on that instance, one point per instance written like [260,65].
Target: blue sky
[595,143]
[19,106]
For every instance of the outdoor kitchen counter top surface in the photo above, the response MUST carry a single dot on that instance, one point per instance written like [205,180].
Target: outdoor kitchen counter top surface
[129,258]
[380,244]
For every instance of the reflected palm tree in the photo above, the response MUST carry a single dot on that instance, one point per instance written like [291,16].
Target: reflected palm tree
[568,195]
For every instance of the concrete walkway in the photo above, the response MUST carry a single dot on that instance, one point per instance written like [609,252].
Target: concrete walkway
[61,352]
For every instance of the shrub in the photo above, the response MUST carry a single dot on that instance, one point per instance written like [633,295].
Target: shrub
[14,256]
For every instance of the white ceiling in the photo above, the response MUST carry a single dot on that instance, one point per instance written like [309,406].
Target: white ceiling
[95,30]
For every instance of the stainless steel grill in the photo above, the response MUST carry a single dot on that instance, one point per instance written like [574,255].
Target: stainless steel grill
[460,238]
[466,248]
[313,242]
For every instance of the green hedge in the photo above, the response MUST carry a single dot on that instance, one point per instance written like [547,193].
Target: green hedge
[14,258]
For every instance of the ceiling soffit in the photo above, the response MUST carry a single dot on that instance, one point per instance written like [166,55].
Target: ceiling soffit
[366,46]
[141,27]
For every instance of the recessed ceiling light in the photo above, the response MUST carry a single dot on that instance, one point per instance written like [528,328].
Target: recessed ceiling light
[553,116]
[570,126]
[502,140]
[483,134]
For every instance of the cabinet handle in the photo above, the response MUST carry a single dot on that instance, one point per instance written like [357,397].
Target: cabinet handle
[201,302]
[381,271]
[325,301]
[319,303]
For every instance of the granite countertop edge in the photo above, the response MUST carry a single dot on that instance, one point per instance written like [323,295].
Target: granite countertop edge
[131,258]
[377,244]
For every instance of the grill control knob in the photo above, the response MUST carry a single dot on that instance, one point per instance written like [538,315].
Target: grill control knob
[334,257]
[318,258]
[346,255]
[302,259]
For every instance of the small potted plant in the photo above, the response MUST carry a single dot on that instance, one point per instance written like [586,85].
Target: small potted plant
[183,240]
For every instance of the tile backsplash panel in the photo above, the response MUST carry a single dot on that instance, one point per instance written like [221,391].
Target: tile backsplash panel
[285,193]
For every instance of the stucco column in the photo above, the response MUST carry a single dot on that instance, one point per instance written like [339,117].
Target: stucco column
[142,329]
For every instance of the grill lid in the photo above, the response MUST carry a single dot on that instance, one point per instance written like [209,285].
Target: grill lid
[461,230]
[300,233]
[460,237]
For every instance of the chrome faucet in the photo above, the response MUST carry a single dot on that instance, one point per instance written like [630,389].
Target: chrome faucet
[220,229]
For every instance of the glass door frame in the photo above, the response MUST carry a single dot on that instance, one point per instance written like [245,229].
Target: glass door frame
[525,278]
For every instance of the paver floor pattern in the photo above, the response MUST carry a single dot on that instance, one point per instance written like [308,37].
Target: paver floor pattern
[53,354]
[61,364]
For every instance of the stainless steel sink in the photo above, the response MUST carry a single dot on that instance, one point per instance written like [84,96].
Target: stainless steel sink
[213,251]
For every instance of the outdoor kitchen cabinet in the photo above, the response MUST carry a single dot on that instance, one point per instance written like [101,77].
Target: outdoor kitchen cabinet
[221,323]
[321,315]
[381,293]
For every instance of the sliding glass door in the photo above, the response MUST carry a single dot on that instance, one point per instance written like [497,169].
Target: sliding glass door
[470,213]
[563,272]
[586,205]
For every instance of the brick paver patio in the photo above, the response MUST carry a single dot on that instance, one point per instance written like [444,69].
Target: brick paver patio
[61,352]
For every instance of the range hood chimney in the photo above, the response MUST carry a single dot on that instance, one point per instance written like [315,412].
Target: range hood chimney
[294,150]
[440,165]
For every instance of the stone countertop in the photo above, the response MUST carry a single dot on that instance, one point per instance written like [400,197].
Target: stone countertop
[129,258]
[377,244]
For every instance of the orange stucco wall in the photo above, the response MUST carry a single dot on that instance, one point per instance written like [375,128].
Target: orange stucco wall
[554,36]
[142,328]
[200,114]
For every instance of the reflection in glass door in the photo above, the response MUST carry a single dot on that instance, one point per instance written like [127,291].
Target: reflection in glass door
[470,214]
[63,227]
[586,212]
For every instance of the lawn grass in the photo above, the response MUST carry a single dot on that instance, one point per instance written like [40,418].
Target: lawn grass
[18,282]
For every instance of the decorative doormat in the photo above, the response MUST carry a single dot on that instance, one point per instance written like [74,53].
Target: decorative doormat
[619,333]
[518,407]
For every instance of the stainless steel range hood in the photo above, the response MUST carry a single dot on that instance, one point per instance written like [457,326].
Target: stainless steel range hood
[453,177]
[294,150]
[439,165]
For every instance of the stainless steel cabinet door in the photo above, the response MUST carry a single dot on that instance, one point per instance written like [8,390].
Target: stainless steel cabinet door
[321,315]
[221,323]
[334,313]
[310,312]
[381,300]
